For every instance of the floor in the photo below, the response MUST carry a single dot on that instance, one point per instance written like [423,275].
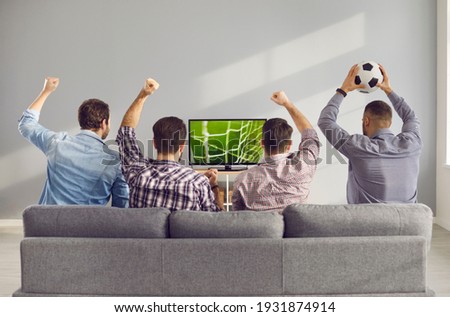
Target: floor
[438,266]
[9,259]
[438,269]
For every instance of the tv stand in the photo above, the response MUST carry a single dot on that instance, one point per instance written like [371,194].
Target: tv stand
[230,172]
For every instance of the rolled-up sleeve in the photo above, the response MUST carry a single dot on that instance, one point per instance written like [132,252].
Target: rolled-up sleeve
[129,151]
[310,143]
[35,133]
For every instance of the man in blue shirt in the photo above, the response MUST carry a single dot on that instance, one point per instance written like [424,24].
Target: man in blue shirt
[382,167]
[81,169]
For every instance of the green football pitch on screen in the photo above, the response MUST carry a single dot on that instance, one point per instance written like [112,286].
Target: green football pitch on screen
[225,142]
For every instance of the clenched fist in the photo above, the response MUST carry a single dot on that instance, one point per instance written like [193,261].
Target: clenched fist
[50,84]
[212,175]
[280,98]
[150,86]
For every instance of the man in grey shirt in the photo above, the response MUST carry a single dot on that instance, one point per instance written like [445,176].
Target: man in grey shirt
[382,167]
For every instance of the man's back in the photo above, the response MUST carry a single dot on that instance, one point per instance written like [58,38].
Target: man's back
[170,185]
[80,170]
[284,177]
[281,180]
[382,169]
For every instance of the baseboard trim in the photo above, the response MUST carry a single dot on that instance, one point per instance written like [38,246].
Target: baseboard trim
[10,223]
[444,224]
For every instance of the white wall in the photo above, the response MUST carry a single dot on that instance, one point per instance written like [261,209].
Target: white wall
[442,170]
[213,59]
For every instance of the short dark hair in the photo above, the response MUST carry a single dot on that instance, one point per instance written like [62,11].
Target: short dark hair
[169,133]
[379,109]
[277,135]
[91,113]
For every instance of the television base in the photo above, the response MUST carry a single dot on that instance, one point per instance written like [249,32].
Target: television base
[229,168]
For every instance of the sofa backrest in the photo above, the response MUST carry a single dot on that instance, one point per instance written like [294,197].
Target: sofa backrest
[358,220]
[241,224]
[95,221]
[297,221]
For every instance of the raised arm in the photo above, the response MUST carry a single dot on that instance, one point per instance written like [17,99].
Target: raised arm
[301,122]
[129,151]
[132,116]
[29,126]
[310,141]
[410,120]
[333,132]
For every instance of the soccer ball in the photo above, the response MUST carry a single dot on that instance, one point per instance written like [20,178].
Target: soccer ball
[369,74]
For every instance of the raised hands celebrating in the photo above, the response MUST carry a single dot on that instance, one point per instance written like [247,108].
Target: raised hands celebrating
[350,85]
[301,122]
[150,86]
[133,115]
[50,85]
[280,98]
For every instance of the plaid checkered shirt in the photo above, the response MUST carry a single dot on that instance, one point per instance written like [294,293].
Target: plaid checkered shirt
[161,183]
[280,180]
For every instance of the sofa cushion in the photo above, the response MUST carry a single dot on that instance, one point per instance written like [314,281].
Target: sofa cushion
[95,221]
[242,224]
[358,220]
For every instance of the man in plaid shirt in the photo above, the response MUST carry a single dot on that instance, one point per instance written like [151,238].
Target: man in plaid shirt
[163,182]
[282,178]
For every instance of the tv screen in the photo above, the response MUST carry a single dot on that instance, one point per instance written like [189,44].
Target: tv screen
[225,142]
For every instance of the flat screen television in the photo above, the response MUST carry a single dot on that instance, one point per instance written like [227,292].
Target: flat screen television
[225,142]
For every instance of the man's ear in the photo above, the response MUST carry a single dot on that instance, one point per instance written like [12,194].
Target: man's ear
[104,124]
[366,121]
[182,148]
[289,145]
[262,143]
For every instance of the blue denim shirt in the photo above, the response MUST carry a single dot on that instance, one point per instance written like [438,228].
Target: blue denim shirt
[81,169]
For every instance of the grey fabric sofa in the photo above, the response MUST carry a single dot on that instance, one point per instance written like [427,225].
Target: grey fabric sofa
[330,250]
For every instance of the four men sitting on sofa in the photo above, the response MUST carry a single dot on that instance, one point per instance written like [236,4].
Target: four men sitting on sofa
[383,167]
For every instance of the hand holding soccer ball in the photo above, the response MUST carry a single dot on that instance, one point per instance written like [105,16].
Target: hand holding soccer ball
[385,85]
[349,82]
[366,77]
[369,75]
